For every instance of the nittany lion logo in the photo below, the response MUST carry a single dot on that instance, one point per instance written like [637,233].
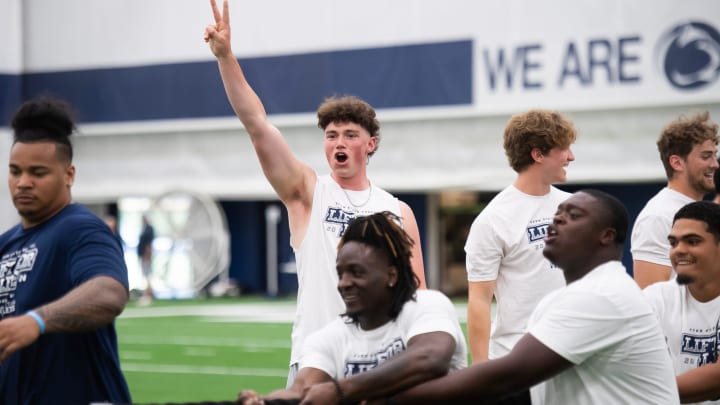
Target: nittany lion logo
[689,55]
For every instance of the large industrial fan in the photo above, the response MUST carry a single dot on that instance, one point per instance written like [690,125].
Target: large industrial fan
[191,247]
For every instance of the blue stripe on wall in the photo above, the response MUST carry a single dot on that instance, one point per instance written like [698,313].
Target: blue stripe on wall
[10,96]
[436,74]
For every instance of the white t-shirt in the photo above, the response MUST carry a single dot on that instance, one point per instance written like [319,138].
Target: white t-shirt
[506,244]
[691,328]
[342,349]
[648,241]
[603,325]
[318,301]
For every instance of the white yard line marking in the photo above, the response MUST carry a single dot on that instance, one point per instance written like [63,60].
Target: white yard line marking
[203,341]
[183,369]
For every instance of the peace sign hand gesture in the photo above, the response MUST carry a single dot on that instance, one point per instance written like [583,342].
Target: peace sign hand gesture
[218,35]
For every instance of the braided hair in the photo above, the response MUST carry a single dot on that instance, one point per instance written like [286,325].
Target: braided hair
[382,231]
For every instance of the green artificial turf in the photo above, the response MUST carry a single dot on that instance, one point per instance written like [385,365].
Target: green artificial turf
[192,359]
[181,358]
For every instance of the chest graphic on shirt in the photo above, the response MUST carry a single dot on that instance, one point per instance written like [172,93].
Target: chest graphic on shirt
[537,230]
[336,220]
[360,363]
[700,347]
[14,267]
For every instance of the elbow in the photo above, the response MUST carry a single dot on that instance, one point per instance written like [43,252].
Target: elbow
[432,364]
[115,297]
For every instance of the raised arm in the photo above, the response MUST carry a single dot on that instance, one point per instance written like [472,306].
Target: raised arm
[410,226]
[90,305]
[427,356]
[292,180]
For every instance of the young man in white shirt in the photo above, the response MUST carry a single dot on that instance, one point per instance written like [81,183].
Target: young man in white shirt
[504,247]
[688,149]
[391,337]
[319,206]
[594,342]
[688,307]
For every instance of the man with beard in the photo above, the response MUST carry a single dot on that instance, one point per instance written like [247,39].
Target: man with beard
[689,313]
[595,341]
[688,148]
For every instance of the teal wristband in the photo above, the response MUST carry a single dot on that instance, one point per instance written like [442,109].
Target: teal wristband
[37,319]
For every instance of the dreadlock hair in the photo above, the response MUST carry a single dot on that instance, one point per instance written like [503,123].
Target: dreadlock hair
[382,231]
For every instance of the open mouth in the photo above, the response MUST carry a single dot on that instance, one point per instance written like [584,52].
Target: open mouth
[551,235]
[341,157]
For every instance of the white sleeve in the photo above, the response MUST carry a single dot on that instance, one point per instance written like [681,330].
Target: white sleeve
[578,324]
[434,313]
[649,241]
[483,250]
[653,295]
[320,350]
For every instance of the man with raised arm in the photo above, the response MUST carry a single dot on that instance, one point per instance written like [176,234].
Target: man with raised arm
[319,206]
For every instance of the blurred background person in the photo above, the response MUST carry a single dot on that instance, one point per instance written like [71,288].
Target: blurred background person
[145,256]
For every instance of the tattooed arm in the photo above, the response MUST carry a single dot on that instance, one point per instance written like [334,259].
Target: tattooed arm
[89,306]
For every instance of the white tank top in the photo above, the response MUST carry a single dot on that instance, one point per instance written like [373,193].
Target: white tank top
[318,301]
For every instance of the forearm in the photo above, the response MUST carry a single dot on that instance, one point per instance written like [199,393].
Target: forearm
[468,385]
[242,97]
[400,373]
[700,384]
[87,307]
[478,326]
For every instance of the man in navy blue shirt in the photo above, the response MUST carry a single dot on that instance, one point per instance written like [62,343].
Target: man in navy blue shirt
[63,278]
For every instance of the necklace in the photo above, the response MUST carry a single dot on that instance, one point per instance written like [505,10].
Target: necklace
[367,200]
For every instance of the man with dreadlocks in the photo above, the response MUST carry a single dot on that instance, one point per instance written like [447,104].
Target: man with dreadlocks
[391,337]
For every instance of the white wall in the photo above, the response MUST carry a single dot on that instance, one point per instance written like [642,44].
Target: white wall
[10,36]
[423,149]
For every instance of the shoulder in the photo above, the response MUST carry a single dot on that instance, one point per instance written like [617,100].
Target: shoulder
[558,194]
[5,236]
[78,225]
[429,301]
[663,291]
[386,195]
[79,218]
[330,332]
[499,214]
[665,203]
[428,296]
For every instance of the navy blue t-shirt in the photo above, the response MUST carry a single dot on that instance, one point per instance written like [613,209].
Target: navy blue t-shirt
[39,265]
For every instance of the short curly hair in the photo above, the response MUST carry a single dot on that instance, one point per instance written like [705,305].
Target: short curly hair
[349,109]
[679,137]
[542,129]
